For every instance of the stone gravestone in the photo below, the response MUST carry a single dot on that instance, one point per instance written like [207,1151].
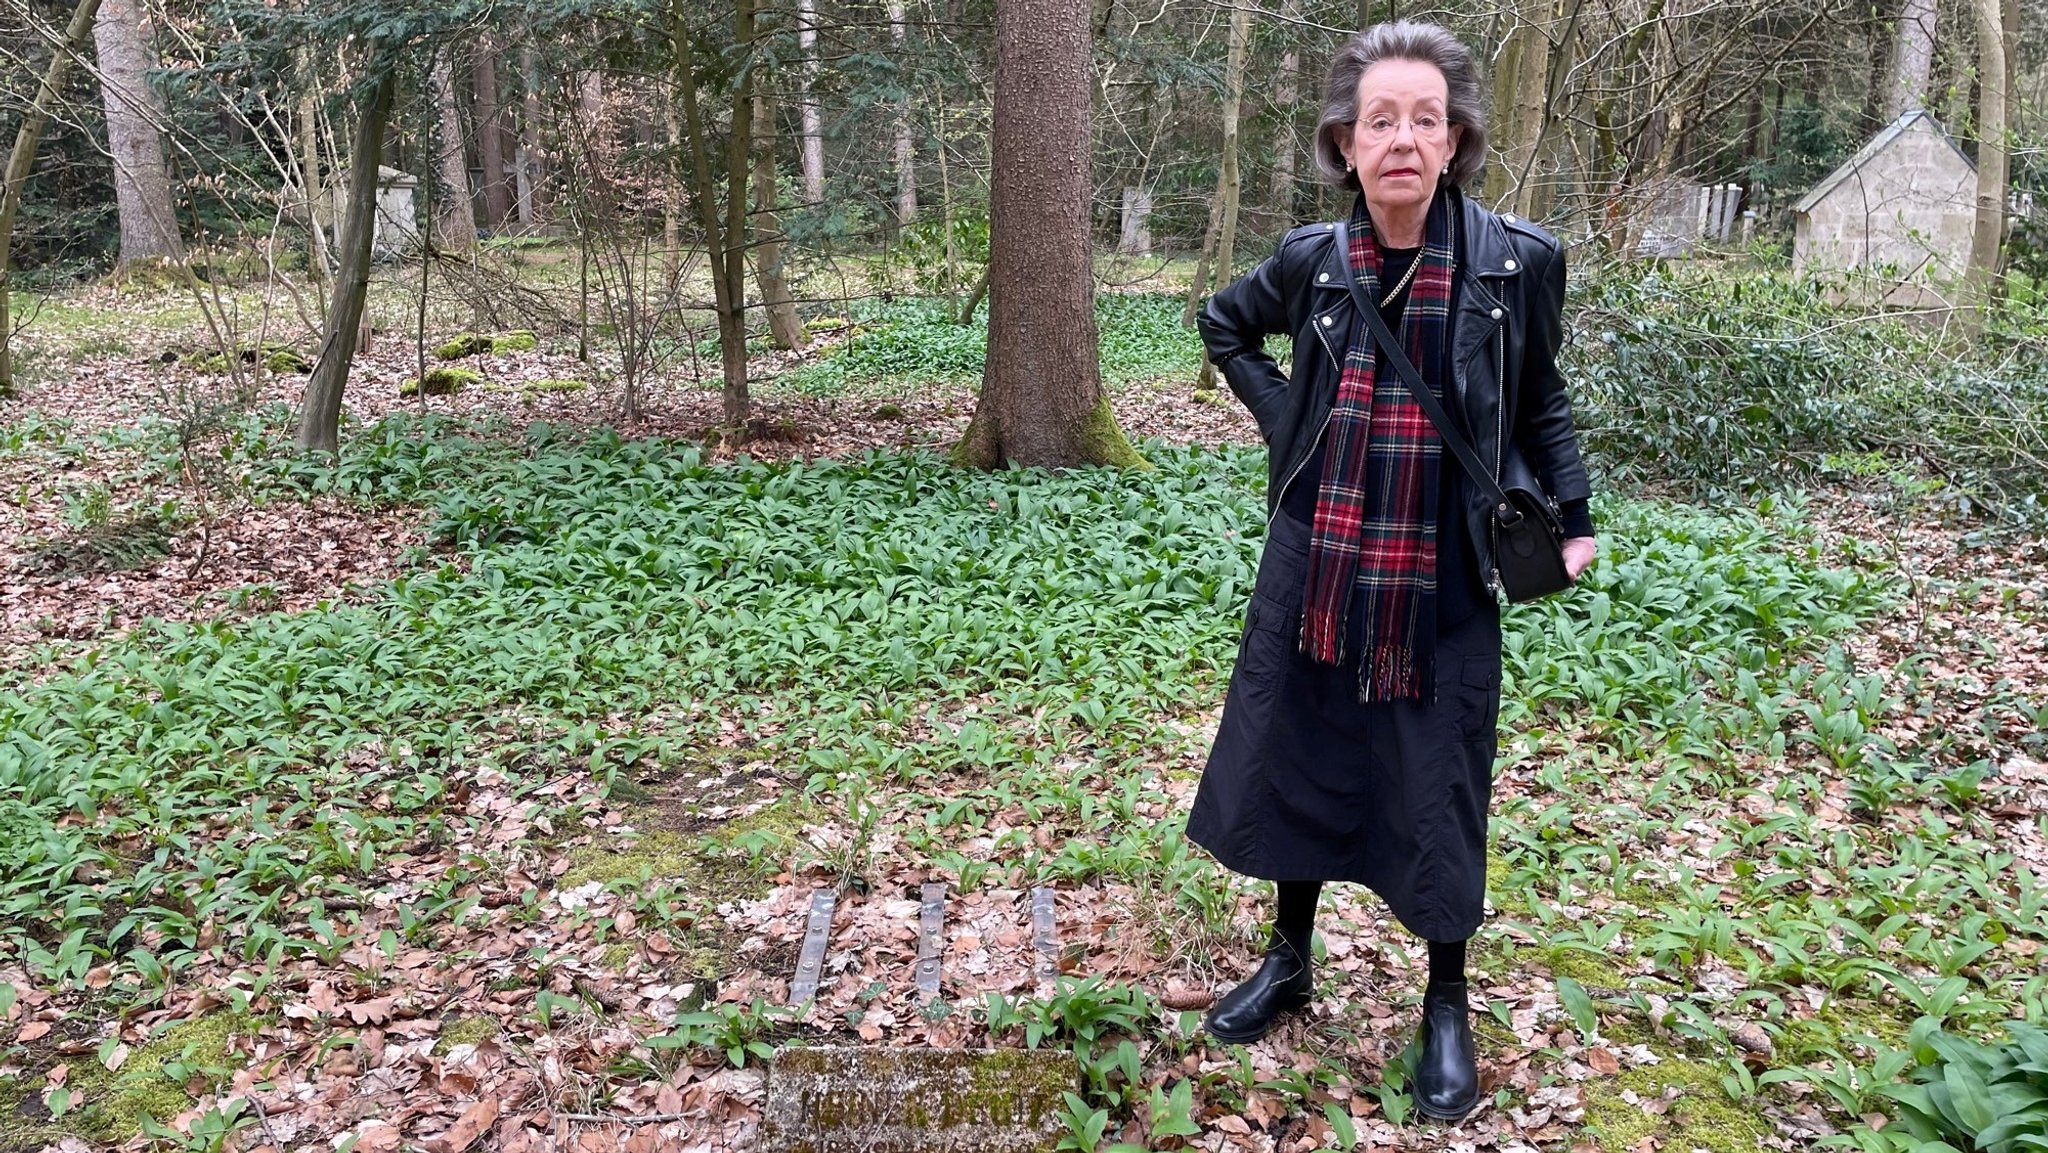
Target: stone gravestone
[872,1100]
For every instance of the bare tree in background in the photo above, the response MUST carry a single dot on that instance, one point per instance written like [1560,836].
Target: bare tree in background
[725,240]
[807,76]
[906,147]
[1912,57]
[490,137]
[455,219]
[1228,185]
[142,182]
[320,410]
[1988,237]
[23,158]
[1286,87]
[783,325]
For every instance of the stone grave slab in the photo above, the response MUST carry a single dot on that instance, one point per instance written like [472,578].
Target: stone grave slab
[875,1100]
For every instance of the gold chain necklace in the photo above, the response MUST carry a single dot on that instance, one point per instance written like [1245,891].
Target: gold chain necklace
[1405,278]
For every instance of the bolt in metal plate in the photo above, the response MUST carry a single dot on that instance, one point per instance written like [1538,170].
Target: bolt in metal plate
[810,961]
[931,917]
[1043,939]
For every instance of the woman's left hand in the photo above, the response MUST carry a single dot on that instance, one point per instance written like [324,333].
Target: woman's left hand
[1578,555]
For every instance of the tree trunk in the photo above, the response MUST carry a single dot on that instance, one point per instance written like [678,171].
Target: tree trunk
[1988,237]
[1286,91]
[455,222]
[807,75]
[27,139]
[490,139]
[906,150]
[1507,70]
[672,195]
[532,177]
[310,179]
[142,185]
[787,331]
[320,411]
[1520,92]
[1042,401]
[1198,287]
[1135,238]
[739,154]
[1912,57]
[724,241]
[1227,189]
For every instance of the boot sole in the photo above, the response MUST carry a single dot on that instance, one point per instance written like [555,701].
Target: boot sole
[1291,1005]
[1448,1118]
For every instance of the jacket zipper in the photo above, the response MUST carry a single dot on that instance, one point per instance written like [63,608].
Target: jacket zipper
[1320,429]
[1500,415]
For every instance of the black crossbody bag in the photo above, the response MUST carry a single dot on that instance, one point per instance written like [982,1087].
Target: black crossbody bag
[1528,537]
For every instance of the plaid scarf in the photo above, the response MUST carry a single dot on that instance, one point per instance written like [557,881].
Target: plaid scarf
[1376,508]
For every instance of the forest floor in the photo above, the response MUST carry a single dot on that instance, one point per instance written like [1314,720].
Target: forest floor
[472,788]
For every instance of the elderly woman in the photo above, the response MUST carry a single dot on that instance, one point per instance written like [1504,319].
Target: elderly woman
[1357,739]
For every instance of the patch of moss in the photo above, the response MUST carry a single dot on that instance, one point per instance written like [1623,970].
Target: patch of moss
[1701,1115]
[275,356]
[441,381]
[111,1106]
[467,344]
[477,343]
[1588,969]
[148,274]
[1098,442]
[1102,442]
[465,1031]
[888,412]
[679,860]
[287,360]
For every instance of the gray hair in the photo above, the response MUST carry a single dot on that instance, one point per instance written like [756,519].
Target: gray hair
[1431,44]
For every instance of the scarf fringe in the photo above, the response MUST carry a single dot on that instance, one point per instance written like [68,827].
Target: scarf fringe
[1394,672]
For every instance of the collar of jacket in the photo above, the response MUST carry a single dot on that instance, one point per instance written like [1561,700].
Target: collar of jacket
[1487,260]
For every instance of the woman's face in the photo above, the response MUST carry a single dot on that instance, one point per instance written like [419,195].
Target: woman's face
[1402,139]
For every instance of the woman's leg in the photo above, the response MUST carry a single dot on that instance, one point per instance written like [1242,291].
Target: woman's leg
[1446,962]
[1283,982]
[1294,919]
[1447,1077]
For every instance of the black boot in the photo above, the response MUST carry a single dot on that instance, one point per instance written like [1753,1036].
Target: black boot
[1282,984]
[1447,1075]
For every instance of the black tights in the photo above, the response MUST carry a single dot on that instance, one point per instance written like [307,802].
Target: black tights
[1294,922]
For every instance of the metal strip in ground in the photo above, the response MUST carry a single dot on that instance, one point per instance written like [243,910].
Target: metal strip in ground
[931,917]
[810,962]
[1043,928]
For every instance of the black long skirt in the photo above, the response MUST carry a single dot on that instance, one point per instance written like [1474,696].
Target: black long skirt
[1305,783]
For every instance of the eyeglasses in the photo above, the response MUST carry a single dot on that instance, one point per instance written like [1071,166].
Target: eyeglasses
[1428,126]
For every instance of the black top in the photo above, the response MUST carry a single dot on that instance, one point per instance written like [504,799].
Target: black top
[1460,590]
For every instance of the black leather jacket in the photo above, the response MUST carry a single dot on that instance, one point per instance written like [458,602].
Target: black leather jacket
[1507,324]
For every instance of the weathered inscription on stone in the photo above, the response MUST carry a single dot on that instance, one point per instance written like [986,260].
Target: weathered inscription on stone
[862,1100]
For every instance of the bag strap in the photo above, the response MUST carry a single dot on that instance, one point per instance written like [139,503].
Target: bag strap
[1391,348]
